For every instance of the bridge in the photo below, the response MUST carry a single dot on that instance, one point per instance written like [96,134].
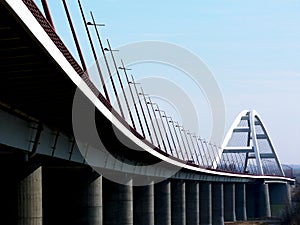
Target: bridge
[144,169]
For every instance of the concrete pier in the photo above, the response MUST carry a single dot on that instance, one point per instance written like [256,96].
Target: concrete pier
[117,203]
[192,202]
[162,203]
[217,204]
[94,201]
[264,209]
[178,202]
[240,202]
[205,203]
[251,201]
[229,202]
[30,209]
[8,196]
[75,195]
[69,195]
[143,205]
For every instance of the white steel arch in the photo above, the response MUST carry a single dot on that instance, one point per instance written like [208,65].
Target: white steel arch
[247,147]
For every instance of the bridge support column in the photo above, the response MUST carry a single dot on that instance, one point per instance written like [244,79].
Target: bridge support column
[240,202]
[178,202]
[67,192]
[229,202]
[251,199]
[280,199]
[192,203]
[143,205]
[264,209]
[95,204]
[30,210]
[162,203]
[218,204]
[117,203]
[205,203]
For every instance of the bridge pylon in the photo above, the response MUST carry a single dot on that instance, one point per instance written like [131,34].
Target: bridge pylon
[248,148]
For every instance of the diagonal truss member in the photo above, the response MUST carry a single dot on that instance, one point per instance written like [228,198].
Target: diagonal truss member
[247,147]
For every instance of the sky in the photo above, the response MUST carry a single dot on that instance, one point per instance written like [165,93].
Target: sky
[251,47]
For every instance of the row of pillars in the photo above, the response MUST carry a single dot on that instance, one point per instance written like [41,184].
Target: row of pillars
[169,202]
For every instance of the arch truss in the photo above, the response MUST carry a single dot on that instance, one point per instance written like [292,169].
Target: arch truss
[247,148]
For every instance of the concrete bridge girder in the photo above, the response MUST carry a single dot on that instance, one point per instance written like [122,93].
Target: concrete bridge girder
[22,134]
[56,144]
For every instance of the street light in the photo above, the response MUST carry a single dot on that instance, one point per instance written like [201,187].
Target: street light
[151,103]
[95,24]
[131,93]
[123,68]
[112,80]
[203,141]
[110,50]
[139,100]
[101,46]
[194,147]
[94,51]
[195,137]
[187,142]
[165,116]
[121,84]
[75,37]
[208,151]
[144,96]
[175,132]
[159,112]
[179,128]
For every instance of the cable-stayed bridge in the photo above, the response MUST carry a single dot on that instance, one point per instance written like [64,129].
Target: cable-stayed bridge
[145,168]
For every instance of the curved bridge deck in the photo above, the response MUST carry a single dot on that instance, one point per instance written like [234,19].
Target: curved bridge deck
[38,81]
[41,86]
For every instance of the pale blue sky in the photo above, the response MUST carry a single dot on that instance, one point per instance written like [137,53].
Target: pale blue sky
[252,47]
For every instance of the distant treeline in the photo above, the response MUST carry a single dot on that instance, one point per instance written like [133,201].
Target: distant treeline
[293,218]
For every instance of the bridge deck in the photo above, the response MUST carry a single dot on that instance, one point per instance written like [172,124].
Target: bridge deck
[32,82]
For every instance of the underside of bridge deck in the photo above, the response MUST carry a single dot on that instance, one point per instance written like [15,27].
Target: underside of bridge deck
[32,84]
[30,81]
